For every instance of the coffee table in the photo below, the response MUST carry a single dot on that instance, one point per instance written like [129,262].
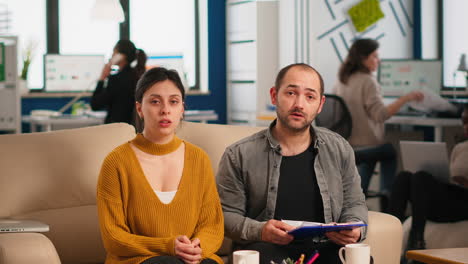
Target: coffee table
[439,256]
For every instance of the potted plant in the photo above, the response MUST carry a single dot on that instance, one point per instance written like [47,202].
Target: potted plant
[28,53]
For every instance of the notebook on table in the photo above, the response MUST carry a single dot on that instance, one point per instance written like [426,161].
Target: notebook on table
[431,157]
[18,226]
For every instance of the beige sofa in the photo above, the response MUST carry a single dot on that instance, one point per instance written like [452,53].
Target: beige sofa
[440,235]
[52,177]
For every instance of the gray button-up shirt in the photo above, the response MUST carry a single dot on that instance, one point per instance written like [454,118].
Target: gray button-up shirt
[248,176]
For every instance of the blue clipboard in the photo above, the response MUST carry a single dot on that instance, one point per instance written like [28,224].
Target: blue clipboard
[319,230]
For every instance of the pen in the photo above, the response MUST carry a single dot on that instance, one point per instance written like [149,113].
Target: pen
[300,260]
[313,257]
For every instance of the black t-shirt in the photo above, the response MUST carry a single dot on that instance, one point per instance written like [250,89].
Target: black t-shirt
[298,192]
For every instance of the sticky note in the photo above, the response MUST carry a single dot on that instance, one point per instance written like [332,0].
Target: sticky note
[365,14]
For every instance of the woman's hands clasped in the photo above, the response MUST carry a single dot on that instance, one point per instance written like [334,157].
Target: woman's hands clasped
[189,251]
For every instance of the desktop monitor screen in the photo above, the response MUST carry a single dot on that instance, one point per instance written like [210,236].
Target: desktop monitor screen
[71,73]
[169,61]
[398,77]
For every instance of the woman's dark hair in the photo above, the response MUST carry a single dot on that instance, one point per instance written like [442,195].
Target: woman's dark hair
[127,48]
[155,75]
[353,63]
[148,79]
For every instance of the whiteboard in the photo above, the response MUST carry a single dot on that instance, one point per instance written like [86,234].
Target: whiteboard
[71,73]
[398,77]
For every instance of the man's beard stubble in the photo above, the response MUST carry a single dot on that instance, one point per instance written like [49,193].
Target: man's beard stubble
[283,119]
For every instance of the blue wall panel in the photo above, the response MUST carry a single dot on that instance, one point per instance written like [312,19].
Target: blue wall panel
[217,63]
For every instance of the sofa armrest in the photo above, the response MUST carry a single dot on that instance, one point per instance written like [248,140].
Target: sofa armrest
[16,248]
[385,236]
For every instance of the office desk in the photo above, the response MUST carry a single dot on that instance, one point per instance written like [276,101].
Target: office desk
[439,256]
[202,116]
[47,122]
[436,123]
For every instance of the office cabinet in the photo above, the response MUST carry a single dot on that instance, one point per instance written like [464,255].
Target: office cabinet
[252,59]
[10,115]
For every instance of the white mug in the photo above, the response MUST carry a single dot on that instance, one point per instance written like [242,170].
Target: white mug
[355,254]
[246,257]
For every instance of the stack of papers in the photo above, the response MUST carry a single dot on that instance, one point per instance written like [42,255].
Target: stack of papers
[432,102]
[97,114]
[199,112]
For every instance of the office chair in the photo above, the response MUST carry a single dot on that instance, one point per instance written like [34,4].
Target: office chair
[335,116]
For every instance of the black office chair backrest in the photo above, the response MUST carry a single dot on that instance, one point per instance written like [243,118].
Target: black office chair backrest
[335,116]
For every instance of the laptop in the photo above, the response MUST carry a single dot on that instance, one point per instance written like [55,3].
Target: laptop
[18,226]
[431,157]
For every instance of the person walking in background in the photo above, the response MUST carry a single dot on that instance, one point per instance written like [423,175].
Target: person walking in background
[156,194]
[362,94]
[117,95]
[431,199]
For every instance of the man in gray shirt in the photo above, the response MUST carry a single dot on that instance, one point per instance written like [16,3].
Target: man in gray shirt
[292,170]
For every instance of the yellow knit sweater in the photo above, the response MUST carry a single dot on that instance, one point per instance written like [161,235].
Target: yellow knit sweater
[136,225]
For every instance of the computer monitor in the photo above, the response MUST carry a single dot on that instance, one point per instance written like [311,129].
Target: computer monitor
[169,61]
[71,73]
[398,77]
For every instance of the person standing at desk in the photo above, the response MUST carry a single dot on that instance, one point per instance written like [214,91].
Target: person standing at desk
[118,95]
[361,92]
[431,199]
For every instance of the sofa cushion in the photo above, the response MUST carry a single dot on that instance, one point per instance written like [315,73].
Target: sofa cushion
[440,235]
[74,232]
[57,169]
[214,138]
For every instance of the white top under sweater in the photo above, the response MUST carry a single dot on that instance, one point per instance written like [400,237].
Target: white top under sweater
[165,197]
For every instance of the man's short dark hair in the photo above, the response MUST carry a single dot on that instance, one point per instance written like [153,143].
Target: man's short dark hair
[282,73]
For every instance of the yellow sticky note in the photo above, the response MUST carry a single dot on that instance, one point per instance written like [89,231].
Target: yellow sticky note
[365,14]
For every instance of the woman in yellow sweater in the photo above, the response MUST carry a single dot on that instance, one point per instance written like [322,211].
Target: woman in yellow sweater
[156,195]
